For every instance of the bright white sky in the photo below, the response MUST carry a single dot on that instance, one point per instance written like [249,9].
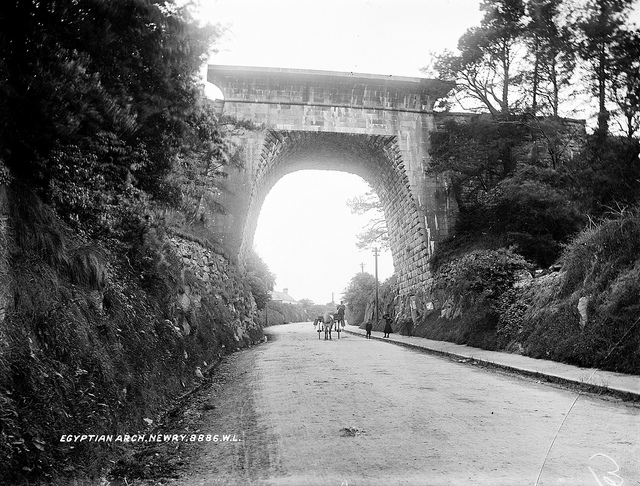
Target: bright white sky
[367,36]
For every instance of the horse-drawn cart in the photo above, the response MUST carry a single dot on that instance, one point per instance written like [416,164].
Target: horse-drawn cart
[327,323]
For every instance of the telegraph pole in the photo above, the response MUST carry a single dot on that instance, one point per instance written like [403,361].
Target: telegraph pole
[375,254]
[362,268]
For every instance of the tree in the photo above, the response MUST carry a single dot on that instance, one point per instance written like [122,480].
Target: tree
[598,31]
[357,295]
[607,174]
[507,195]
[97,101]
[553,59]
[476,156]
[375,232]
[625,86]
[260,279]
[483,69]
[305,303]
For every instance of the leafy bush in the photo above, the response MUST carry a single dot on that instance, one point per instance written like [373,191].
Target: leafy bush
[102,104]
[533,215]
[275,313]
[526,211]
[471,288]
[485,274]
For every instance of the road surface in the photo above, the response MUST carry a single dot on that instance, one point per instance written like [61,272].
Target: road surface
[302,411]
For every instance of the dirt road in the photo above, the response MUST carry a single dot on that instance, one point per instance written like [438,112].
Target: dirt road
[350,412]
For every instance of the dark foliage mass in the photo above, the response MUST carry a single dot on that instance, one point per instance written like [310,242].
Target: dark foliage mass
[94,341]
[540,207]
[507,190]
[98,99]
[103,127]
[514,187]
[527,180]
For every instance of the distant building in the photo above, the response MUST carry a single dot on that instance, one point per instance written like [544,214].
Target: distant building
[283,297]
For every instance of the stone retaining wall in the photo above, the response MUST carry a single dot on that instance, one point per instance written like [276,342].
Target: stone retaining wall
[219,281]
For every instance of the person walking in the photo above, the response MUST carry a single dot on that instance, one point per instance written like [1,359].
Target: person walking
[368,328]
[387,326]
[341,308]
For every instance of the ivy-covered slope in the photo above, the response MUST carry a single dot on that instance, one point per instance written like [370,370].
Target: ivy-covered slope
[97,338]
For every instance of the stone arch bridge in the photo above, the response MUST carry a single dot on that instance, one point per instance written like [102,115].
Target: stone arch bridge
[374,126]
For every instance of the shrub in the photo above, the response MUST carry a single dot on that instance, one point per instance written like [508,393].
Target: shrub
[481,274]
[601,264]
[472,286]
[597,255]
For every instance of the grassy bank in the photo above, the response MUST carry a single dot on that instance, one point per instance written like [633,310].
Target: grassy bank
[584,312]
[97,340]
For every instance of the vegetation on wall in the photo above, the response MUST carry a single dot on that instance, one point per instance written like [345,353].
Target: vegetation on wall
[507,191]
[93,126]
[105,133]
[94,341]
[528,181]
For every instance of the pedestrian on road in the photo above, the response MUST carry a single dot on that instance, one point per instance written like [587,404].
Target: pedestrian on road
[387,326]
[368,327]
[409,326]
[341,308]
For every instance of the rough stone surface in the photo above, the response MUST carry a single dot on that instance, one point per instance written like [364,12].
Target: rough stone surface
[582,309]
[214,272]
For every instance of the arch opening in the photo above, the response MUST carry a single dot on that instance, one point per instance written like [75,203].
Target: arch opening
[213,92]
[374,158]
[308,237]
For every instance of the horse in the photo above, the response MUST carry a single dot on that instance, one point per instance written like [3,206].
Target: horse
[317,324]
[327,325]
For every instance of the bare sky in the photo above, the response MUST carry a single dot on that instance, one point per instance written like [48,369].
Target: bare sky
[367,36]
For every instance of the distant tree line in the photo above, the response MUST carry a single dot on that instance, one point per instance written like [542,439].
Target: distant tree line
[522,176]
[536,56]
[528,63]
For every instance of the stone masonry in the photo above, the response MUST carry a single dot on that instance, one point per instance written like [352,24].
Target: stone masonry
[374,126]
[213,271]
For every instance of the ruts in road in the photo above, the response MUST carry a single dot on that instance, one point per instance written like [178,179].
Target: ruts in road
[298,410]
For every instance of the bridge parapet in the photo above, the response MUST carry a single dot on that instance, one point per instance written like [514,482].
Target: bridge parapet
[327,88]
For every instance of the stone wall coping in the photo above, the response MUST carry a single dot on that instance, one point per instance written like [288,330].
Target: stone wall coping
[221,69]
